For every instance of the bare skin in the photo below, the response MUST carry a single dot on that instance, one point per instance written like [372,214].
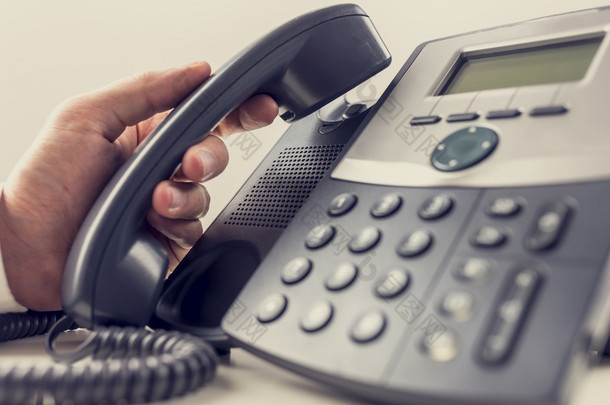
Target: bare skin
[80,147]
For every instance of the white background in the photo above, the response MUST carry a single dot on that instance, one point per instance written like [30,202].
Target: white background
[51,50]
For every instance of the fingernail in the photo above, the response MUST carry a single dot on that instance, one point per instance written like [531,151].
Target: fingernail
[177,199]
[209,164]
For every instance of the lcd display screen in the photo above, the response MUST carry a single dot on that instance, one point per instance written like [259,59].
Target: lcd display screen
[555,63]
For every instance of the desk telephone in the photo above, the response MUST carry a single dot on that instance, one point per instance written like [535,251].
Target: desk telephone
[447,245]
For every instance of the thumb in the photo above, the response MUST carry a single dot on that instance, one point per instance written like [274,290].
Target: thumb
[130,101]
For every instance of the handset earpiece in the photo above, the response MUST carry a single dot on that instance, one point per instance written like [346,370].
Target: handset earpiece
[115,270]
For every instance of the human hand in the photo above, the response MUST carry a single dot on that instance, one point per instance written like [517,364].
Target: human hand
[81,146]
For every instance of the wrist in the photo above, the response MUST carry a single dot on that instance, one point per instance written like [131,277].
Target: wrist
[7,299]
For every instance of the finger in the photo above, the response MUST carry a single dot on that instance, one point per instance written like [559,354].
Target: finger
[256,112]
[180,200]
[183,232]
[138,98]
[204,161]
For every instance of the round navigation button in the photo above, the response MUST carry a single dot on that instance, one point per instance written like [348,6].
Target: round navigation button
[464,148]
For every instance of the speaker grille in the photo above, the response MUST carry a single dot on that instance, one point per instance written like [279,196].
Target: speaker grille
[284,187]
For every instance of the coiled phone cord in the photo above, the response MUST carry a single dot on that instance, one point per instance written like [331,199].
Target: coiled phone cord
[127,365]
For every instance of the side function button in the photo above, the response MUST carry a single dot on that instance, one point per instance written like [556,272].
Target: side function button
[501,114]
[365,240]
[342,204]
[548,227]
[317,317]
[341,277]
[319,236]
[415,243]
[510,313]
[504,207]
[461,117]
[442,347]
[474,270]
[425,120]
[464,148]
[368,326]
[393,283]
[296,270]
[386,205]
[488,237]
[436,207]
[271,308]
[548,110]
[458,305]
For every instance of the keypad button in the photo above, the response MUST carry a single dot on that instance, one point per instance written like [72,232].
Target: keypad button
[317,317]
[458,305]
[504,207]
[436,207]
[365,240]
[443,347]
[392,283]
[342,204]
[415,243]
[319,236]
[296,270]
[549,225]
[341,277]
[386,205]
[271,308]
[474,270]
[489,236]
[369,326]
[511,311]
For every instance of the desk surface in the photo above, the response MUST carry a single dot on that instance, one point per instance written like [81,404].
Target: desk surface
[247,379]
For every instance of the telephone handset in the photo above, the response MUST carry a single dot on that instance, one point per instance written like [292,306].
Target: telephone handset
[115,270]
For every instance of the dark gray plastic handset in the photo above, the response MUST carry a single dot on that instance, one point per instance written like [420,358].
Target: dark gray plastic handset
[115,270]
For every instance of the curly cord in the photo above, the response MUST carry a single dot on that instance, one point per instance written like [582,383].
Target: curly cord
[127,365]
